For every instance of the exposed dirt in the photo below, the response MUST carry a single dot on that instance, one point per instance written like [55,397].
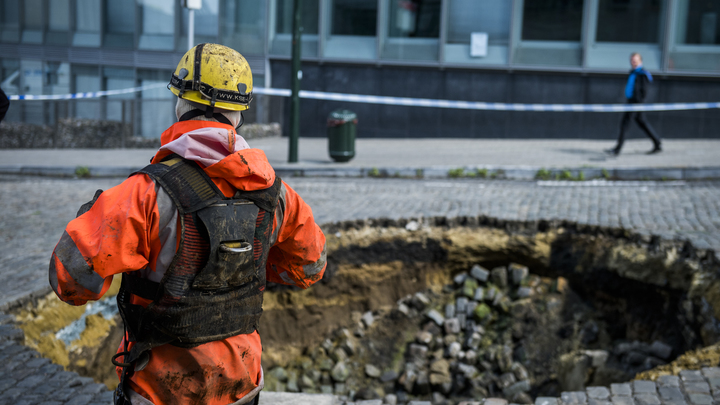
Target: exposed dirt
[692,360]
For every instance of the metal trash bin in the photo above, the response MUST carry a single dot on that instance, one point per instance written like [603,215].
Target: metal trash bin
[341,129]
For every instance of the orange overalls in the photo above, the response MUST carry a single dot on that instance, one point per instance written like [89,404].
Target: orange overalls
[134,227]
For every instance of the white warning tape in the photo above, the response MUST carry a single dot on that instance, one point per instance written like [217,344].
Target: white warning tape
[413,102]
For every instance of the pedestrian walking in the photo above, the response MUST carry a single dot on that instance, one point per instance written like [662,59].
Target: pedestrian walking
[4,104]
[195,236]
[635,93]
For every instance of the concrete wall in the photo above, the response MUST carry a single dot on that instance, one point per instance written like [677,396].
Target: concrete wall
[482,85]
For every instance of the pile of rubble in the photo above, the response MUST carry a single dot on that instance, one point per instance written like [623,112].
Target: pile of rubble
[490,333]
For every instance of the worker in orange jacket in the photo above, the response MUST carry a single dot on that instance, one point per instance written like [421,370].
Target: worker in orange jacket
[196,235]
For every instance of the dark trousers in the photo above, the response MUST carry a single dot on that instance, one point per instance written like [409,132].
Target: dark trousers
[644,125]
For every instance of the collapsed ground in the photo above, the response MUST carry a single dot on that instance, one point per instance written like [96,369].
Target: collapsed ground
[581,306]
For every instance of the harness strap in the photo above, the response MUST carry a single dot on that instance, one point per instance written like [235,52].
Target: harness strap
[197,112]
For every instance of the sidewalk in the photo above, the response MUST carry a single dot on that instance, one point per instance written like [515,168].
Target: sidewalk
[427,158]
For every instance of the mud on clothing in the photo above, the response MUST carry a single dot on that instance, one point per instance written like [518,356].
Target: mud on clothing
[135,227]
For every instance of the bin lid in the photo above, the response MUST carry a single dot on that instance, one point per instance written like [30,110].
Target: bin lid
[342,115]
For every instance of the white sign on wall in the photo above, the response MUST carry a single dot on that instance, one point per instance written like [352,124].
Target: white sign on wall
[478,44]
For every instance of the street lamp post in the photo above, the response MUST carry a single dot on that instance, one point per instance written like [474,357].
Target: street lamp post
[191,5]
[295,83]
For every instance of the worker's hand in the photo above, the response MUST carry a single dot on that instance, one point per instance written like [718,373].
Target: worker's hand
[86,207]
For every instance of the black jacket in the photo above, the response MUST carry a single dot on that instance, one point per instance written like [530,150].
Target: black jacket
[640,89]
[4,104]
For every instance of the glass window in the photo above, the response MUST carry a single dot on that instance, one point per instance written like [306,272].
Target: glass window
[57,78]
[33,22]
[157,106]
[414,18]
[702,23]
[86,79]
[465,17]
[206,24]
[87,23]
[59,15]
[120,23]
[629,21]
[243,25]
[9,21]
[468,16]
[282,25]
[354,17]
[10,76]
[284,17]
[413,30]
[118,79]
[552,20]
[157,24]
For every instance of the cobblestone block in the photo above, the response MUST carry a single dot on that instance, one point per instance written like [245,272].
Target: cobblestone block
[573,398]
[691,376]
[5,318]
[647,399]
[546,401]
[13,393]
[86,380]
[31,381]
[37,362]
[622,400]
[697,387]
[668,381]
[644,387]
[9,332]
[592,401]
[624,390]
[598,392]
[6,383]
[493,401]
[714,383]
[52,403]
[93,388]
[671,394]
[28,400]
[711,372]
[700,399]
[83,399]
[64,394]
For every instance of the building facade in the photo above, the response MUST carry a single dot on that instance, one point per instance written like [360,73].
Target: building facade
[519,51]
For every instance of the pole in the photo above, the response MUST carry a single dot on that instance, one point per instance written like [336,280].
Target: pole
[295,84]
[191,28]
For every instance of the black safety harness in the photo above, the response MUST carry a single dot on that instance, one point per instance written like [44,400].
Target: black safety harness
[213,287]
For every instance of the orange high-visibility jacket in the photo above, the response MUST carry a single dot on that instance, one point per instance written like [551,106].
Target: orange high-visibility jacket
[135,227]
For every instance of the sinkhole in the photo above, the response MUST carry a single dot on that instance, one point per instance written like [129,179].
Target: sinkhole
[457,309]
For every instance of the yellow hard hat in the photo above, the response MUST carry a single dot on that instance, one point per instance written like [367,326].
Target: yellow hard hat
[213,75]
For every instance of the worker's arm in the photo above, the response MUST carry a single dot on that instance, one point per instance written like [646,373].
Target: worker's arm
[298,256]
[112,237]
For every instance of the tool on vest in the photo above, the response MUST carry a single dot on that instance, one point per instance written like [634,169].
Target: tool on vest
[215,76]
[213,287]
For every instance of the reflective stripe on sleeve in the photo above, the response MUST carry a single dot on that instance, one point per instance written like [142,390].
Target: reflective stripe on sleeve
[279,214]
[75,265]
[315,268]
[167,233]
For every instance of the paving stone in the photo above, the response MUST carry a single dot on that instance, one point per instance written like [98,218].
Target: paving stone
[644,387]
[28,400]
[105,397]
[598,392]
[546,401]
[668,381]
[714,383]
[697,387]
[593,401]
[691,376]
[621,389]
[671,394]
[13,393]
[6,383]
[647,399]
[700,399]
[489,401]
[622,400]
[52,403]
[82,399]
[10,332]
[37,362]
[31,381]
[93,388]
[711,372]
[573,398]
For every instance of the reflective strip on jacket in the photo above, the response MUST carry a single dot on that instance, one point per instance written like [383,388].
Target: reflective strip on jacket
[134,227]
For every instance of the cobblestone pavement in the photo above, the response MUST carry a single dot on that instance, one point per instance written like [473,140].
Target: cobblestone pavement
[35,211]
